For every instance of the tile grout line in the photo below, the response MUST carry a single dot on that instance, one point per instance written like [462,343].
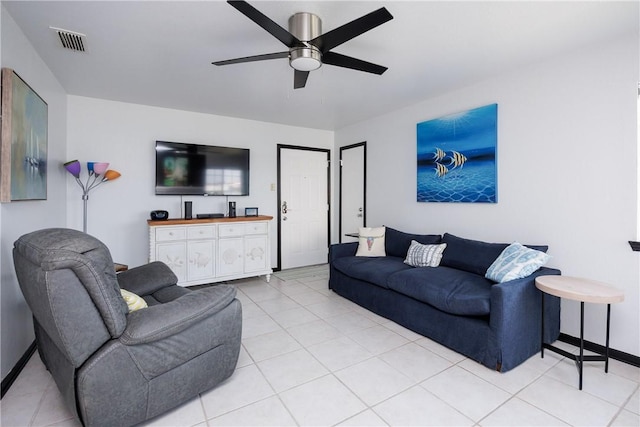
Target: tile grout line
[41,401]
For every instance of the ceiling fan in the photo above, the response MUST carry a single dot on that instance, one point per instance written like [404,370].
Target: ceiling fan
[308,47]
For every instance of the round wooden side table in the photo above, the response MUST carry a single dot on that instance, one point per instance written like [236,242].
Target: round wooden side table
[583,290]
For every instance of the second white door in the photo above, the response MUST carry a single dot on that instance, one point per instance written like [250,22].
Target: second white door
[352,190]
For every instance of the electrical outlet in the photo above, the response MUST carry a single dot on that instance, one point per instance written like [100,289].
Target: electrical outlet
[273,187]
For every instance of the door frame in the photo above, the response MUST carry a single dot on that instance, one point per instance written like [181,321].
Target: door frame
[280,147]
[364,187]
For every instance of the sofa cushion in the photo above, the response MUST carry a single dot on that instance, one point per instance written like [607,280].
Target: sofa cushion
[397,242]
[473,256]
[372,270]
[516,262]
[450,290]
[469,255]
[371,242]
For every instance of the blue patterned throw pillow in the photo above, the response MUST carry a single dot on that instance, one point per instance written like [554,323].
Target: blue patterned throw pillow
[420,255]
[516,262]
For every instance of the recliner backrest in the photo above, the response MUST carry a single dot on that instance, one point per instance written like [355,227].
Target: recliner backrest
[69,282]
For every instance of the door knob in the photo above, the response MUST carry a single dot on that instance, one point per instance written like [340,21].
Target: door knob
[284,207]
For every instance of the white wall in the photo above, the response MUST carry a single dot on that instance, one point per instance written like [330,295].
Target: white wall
[567,173]
[18,218]
[125,134]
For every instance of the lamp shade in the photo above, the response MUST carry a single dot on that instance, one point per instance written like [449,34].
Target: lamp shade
[100,167]
[110,175]
[98,173]
[73,167]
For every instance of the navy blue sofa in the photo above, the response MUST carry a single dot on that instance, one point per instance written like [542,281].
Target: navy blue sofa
[496,324]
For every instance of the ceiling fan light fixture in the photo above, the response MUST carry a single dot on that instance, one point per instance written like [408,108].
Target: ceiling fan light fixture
[308,46]
[305,59]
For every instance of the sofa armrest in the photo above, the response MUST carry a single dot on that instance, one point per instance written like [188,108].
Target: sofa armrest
[147,279]
[163,320]
[516,317]
[340,250]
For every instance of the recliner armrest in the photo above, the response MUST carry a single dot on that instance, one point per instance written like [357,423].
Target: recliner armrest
[147,279]
[160,321]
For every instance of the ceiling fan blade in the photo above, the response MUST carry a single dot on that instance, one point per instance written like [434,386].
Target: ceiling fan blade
[265,22]
[337,36]
[339,60]
[264,57]
[300,79]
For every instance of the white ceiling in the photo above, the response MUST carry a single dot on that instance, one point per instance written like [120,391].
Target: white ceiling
[160,53]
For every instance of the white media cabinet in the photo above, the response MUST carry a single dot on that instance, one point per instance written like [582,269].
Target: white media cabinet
[212,250]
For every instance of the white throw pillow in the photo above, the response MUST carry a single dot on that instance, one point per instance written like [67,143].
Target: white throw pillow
[420,255]
[371,241]
[515,262]
[134,302]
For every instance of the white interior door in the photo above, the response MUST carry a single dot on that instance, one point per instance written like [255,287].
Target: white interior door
[304,207]
[352,190]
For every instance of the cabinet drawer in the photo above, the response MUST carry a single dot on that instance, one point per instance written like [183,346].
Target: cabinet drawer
[165,234]
[201,232]
[256,228]
[231,230]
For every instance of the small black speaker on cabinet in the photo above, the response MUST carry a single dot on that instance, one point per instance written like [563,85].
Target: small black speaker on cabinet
[159,215]
[188,210]
[232,209]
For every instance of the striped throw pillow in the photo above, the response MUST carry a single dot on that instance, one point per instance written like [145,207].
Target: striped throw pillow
[420,255]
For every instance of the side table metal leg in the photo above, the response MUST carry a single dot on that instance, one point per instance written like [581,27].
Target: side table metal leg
[581,362]
[606,354]
[542,327]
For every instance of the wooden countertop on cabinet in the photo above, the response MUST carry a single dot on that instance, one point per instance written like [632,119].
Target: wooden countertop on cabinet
[181,221]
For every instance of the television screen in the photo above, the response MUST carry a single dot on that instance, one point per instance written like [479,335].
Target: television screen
[191,169]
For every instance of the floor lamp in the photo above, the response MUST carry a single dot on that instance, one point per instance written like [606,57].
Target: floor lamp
[98,174]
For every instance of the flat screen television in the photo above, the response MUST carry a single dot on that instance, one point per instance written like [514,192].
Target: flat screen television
[205,170]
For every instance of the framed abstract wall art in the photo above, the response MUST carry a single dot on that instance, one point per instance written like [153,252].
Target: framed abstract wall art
[456,157]
[24,133]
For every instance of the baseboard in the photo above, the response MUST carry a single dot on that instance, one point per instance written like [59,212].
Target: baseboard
[15,371]
[613,354]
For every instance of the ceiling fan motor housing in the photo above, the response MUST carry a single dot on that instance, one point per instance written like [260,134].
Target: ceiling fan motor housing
[305,26]
[308,46]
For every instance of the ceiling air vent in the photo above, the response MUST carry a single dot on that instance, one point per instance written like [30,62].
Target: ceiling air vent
[71,40]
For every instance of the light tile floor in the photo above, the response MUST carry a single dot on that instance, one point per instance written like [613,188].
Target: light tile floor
[310,357]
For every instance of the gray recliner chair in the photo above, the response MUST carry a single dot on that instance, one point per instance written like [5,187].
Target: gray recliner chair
[116,368]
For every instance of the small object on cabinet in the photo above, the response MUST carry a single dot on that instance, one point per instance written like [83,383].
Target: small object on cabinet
[250,211]
[159,215]
[188,210]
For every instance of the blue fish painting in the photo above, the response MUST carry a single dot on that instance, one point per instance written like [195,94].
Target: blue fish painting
[456,157]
